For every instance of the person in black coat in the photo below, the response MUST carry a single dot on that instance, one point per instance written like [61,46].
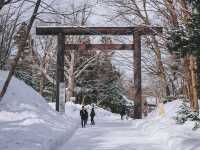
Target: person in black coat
[84,116]
[92,114]
[123,112]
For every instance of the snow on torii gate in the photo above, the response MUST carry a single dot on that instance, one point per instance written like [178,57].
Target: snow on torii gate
[137,32]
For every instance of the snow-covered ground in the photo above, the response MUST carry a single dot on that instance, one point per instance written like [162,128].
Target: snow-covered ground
[27,122]
[152,133]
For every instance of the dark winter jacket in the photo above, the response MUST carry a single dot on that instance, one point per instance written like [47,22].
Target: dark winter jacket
[123,111]
[84,114]
[92,114]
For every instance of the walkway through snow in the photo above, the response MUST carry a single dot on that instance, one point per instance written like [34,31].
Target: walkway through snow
[112,135]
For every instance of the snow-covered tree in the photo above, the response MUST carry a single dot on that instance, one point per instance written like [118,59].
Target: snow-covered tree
[184,41]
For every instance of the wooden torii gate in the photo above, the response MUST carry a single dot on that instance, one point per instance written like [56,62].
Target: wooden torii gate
[137,32]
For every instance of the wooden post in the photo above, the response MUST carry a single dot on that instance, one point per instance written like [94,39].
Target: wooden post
[137,76]
[59,68]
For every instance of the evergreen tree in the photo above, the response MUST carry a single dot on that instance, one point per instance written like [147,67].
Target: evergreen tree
[184,41]
[25,67]
[100,84]
[195,35]
[185,114]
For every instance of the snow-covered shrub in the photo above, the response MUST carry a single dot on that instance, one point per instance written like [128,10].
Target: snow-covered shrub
[185,114]
[196,125]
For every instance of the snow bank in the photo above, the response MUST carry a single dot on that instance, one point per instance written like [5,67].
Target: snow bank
[28,123]
[170,110]
[163,129]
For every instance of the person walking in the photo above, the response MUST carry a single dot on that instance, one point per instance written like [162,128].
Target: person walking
[86,119]
[92,114]
[123,112]
[83,115]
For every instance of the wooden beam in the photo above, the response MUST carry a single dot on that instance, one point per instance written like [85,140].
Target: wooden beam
[99,46]
[143,30]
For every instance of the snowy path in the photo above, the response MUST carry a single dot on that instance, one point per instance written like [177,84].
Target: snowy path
[112,135]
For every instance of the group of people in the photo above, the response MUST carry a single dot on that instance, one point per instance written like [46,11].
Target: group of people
[124,112]
[84,116]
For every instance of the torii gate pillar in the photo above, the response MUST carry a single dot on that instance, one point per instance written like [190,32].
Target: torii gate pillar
[137,76]
[60,83]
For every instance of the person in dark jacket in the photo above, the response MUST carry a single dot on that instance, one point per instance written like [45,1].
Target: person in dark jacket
[92,114]
[123,112]
[84,115]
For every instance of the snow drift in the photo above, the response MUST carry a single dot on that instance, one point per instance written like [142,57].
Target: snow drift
[28,123]
[163,129]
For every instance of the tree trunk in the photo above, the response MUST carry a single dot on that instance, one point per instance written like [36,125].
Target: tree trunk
[161,68]
[71,86]
[190,66]
[187,78]
[193,71]
[172,11]
[71,78]
[20,51]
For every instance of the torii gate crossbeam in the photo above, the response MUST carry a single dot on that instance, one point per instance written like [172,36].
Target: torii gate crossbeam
[137,32]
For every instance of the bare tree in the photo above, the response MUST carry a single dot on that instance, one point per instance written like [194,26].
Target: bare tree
[138,11]
[72,70]
[9,22]
[75,62]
